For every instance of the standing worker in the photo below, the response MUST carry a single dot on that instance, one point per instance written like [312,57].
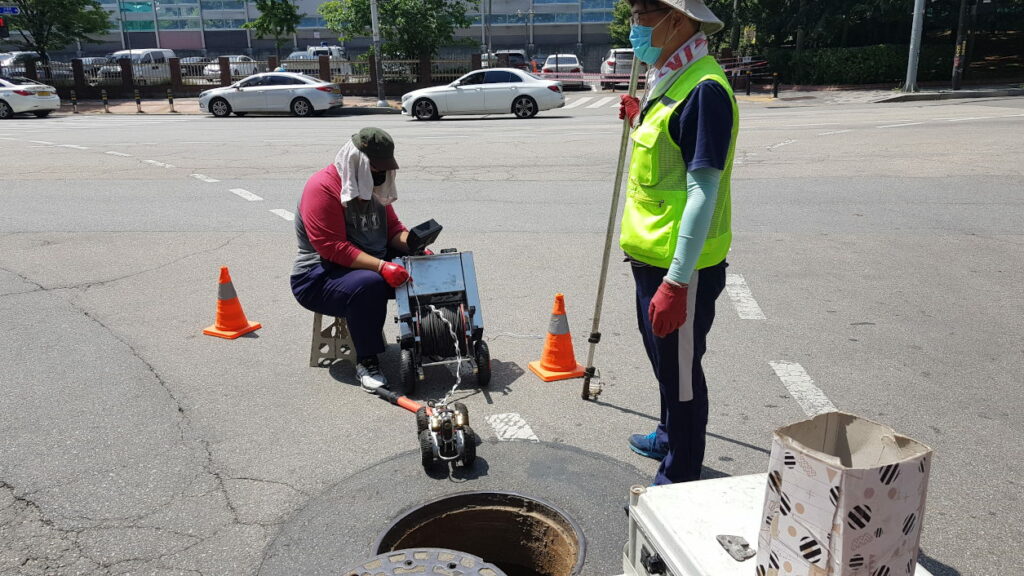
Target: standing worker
[676,225]
[348,232]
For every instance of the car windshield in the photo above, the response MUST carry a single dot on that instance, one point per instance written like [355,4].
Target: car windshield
[299,56]
[18,81]
[566,59]
[133,57]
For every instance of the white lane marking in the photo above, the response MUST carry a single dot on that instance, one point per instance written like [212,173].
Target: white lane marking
[435,137]
[969,118]
[246,194]
[808,125]
[898,125]
[75,146]
[112,153]
[781,144]
[41,142]
[1012,115]
[204,178]
[802,388]
[283,214]
[511,426]
[601,102]
[741,298]
[578,102]
[160,164]
[834,132]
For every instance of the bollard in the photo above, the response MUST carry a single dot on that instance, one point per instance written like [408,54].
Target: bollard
[103,96]
[170,100]
[138,102]
[74,102]
[775,84]
[748,82]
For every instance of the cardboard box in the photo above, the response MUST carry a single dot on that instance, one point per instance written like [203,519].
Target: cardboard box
[845,497]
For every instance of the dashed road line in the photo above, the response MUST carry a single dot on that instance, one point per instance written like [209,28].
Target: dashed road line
[802,388]
[284,214]
[511,427]
[969,118]
[204,178]
[602,102]
[160,164]
[741,298]
[122,154]
[781,144]
[75,146]
[44,142]
[242,192]
[898,125]
[835,132]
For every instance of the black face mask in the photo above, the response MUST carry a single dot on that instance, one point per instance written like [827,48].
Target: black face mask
[379,178]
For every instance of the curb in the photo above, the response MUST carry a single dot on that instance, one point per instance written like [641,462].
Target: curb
[950,95]
[90,109]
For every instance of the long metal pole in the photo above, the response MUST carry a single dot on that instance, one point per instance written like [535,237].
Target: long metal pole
[960,56]
[595,334]
[156,23]
[377,55]
[915,47]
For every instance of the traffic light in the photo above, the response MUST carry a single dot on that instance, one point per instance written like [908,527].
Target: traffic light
[4,32]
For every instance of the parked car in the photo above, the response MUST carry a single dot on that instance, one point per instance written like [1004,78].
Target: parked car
[19,95]
[490,91]
[92,65]
[149,65]
[240,65]
[272,92]
[194,65]
[619,62]
[564,65]
[308,61]
[13,63]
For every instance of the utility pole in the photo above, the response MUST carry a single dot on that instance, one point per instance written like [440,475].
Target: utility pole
[910,85]
[734,40]
[960,55]
[377,55]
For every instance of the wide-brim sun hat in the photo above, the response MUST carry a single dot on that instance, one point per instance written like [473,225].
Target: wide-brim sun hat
[699,11]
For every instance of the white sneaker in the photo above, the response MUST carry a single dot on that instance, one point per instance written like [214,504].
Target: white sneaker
[369,374]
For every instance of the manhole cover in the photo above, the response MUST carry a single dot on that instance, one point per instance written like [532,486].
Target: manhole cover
[423,561]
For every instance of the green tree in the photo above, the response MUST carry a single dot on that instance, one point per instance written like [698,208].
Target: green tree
[619,26]
[409,28]
[278,19]
[46,25]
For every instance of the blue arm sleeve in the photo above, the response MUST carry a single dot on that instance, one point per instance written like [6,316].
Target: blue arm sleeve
[701,193]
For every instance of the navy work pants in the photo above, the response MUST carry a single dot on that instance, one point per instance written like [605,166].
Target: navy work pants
[359,296]
[676,361]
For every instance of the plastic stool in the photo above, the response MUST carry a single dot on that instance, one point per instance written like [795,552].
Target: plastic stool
[331,343]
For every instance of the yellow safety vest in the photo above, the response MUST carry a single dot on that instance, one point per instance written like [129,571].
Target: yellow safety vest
[656,190]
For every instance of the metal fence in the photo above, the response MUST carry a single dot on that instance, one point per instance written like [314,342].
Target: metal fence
[449,70]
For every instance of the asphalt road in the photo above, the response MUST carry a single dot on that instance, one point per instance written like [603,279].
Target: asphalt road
[881,245]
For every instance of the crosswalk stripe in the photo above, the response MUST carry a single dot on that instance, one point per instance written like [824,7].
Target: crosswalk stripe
[602,102]
[578,102]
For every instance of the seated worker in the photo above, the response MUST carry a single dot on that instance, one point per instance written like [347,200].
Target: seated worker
[348,232]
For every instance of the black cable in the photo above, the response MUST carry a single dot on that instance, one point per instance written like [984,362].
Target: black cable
[436,336]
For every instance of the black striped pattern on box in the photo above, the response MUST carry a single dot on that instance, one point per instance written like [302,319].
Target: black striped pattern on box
[889,473]
[859,517]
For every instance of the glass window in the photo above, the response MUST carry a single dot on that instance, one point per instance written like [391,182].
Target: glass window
[557,1]
[599,16]
[497,77]
[599,4]
[224,23]
[475,78]
[252,82]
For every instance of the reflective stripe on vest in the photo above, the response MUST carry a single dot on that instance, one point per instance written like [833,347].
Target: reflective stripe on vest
[656,189]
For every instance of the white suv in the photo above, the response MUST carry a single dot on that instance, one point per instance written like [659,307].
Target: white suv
[618,63]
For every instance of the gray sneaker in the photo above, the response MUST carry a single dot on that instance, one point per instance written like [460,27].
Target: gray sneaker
[369,374]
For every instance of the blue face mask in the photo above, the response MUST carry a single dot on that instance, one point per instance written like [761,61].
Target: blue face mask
[640,39]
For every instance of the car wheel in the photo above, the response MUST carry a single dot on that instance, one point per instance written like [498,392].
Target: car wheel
[606,86]
[220,108]
[524,107]
[141,82]
[6,111]
[42,113]
[424,109]
[302,107]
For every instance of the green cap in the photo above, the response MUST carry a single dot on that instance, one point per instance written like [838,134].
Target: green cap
[378,147]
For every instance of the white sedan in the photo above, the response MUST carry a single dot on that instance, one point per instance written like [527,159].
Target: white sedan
[490,91]
[20,95]
[240,65]
[272,92]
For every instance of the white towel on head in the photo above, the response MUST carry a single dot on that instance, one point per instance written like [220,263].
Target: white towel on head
[356,180]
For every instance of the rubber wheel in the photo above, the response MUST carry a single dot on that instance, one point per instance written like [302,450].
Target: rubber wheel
[469,445]
[524,107]
[424,109]
[240,114]
[422,420]
[607,86]
[6,112]
[302,108]
[483,364]
[460,407]
[406,374]
[220,108]
[42,113]
[426,450]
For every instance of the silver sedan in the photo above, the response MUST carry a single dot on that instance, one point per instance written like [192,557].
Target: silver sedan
[490,91]
[272,92]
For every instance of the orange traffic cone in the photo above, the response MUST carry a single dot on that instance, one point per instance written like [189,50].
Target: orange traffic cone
[231,321]
[557,361]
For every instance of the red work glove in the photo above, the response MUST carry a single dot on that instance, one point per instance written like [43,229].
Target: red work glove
[629,107]
[668,308]
[394,274]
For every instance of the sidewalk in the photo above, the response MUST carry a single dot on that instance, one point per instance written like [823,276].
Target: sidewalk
[354,105]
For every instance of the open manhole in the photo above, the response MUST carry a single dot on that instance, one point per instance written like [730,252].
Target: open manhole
[522,536]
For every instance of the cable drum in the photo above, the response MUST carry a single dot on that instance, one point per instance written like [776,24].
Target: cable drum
[436,336]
